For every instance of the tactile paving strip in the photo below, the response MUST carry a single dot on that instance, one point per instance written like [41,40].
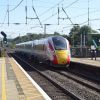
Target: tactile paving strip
[30,91]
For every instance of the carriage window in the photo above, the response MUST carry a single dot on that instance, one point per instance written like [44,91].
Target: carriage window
[59,43]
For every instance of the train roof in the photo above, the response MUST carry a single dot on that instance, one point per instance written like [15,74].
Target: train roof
[28,42]
[33,41]
[55,36]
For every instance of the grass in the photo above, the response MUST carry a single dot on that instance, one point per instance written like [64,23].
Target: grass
[3,53]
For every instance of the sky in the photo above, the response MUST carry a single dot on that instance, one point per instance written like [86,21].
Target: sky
[74,12]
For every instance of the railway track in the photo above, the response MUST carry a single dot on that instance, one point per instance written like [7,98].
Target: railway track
[78,79]
[69,85]
[54,91]
[86,71]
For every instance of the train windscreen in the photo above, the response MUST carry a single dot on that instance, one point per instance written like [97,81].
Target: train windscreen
[59,43]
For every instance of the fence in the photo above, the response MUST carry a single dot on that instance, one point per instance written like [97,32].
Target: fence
[83,52]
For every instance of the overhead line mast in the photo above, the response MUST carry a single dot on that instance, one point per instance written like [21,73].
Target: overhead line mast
[60,11]
[58,14]
[36,15]
[26,11]
[8,11]
[88,14]
[65,14]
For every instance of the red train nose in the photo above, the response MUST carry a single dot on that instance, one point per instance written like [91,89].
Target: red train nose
[55,59]
[68,60]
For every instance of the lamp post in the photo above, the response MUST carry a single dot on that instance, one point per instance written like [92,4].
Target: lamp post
[84,39]
[99,39]
[45,29]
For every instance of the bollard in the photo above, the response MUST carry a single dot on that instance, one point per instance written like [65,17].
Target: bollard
[95,54]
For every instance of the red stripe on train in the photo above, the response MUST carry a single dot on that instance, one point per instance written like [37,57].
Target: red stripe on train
[50,46]
[55,59]
[68,59]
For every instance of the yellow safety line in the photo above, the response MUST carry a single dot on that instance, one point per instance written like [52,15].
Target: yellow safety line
[3,81]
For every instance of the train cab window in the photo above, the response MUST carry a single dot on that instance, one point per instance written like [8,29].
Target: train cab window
[59,43]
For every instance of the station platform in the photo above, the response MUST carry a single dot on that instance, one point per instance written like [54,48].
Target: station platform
[87,61]
[16,84]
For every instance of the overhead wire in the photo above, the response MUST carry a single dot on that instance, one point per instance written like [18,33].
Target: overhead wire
[46,10]
[16,6]
[67,16]
[4,19]
[51,8]
[60,11]
[36,14]
[90,20]
[56,5]
[73,17]
[46,2]
[71,4]
[86,13]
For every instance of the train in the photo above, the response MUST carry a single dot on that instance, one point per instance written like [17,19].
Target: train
[54,50]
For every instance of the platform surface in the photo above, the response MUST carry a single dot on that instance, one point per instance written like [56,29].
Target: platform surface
[87,61]
[15,85]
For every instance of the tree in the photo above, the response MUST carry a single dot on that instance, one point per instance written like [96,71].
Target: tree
[85,35]
[56,33]
[81,35]
[74,34]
